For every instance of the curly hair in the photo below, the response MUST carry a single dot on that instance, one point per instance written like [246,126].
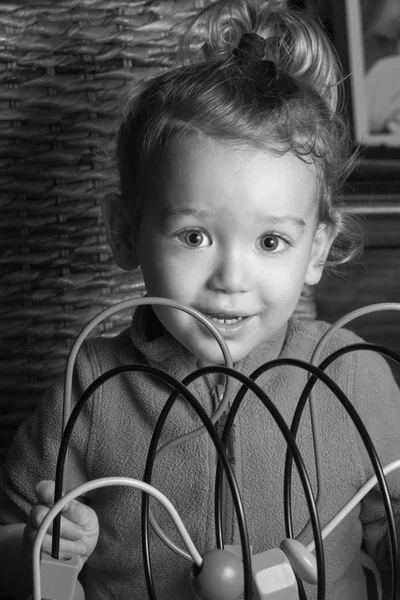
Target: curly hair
[216,91]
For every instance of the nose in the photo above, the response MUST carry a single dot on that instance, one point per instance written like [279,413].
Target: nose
[231,272]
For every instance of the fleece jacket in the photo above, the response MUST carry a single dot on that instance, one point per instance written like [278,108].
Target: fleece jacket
[113,432]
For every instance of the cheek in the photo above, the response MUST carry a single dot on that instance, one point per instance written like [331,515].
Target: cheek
[166,270]
[281,285]
[165,276]
[156,277]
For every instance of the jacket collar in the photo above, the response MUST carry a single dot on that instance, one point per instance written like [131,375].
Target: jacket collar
[159,346]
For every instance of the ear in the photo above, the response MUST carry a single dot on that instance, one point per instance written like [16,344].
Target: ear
[121,228]
[323,239]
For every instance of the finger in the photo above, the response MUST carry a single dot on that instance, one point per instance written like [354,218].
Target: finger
[68,529]
[36,516]
[44,491]
[45,494]
[67,547]
[80,514]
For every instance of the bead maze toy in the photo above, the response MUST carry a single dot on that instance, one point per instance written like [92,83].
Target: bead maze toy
[226,572]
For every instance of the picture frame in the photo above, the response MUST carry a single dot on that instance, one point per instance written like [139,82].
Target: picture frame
[372,70]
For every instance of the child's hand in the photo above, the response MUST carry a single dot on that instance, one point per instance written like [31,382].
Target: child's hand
[79,524]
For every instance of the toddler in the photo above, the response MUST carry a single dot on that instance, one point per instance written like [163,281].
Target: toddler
[230,168]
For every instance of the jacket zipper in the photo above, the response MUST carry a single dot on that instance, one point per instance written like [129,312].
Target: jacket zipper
[227,508]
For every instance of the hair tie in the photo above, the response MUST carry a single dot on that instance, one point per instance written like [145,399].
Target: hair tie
[251,47]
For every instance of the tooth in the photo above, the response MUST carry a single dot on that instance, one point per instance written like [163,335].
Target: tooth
[227,321]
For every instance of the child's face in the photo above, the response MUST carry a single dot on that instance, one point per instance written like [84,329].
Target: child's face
[232,233]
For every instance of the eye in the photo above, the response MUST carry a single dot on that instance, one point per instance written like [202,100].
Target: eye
[271,242]
[194,238]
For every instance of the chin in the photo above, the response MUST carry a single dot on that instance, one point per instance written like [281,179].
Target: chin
[215,356]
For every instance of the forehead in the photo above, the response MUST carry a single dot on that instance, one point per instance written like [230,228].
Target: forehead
[198,173]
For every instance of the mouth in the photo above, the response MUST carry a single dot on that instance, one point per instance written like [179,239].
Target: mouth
[230,325]
[225,320]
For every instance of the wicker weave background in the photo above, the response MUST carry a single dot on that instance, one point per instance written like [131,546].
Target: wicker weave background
[63,67]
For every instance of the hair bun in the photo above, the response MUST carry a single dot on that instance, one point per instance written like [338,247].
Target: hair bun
[293,39]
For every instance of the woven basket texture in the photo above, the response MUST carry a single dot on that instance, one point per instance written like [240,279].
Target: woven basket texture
[64,66]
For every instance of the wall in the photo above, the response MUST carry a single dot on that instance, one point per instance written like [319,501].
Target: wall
[373,191]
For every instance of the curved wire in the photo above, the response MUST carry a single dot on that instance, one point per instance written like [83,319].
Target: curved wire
[65,439]
[249,383]
[368,445]
[308,390]
[153,301]
[351,316]
[222,407]
[66,436]
[181,389]
[58,490]
[319,373]
[161,534]
[224,403]
[246,554]
[94,485]
[348,507]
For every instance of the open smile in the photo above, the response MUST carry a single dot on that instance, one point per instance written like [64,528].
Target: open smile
[224,319]
[230,325]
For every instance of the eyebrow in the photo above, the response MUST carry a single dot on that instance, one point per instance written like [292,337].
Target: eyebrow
[186,212]
[292,220]
[264,219]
